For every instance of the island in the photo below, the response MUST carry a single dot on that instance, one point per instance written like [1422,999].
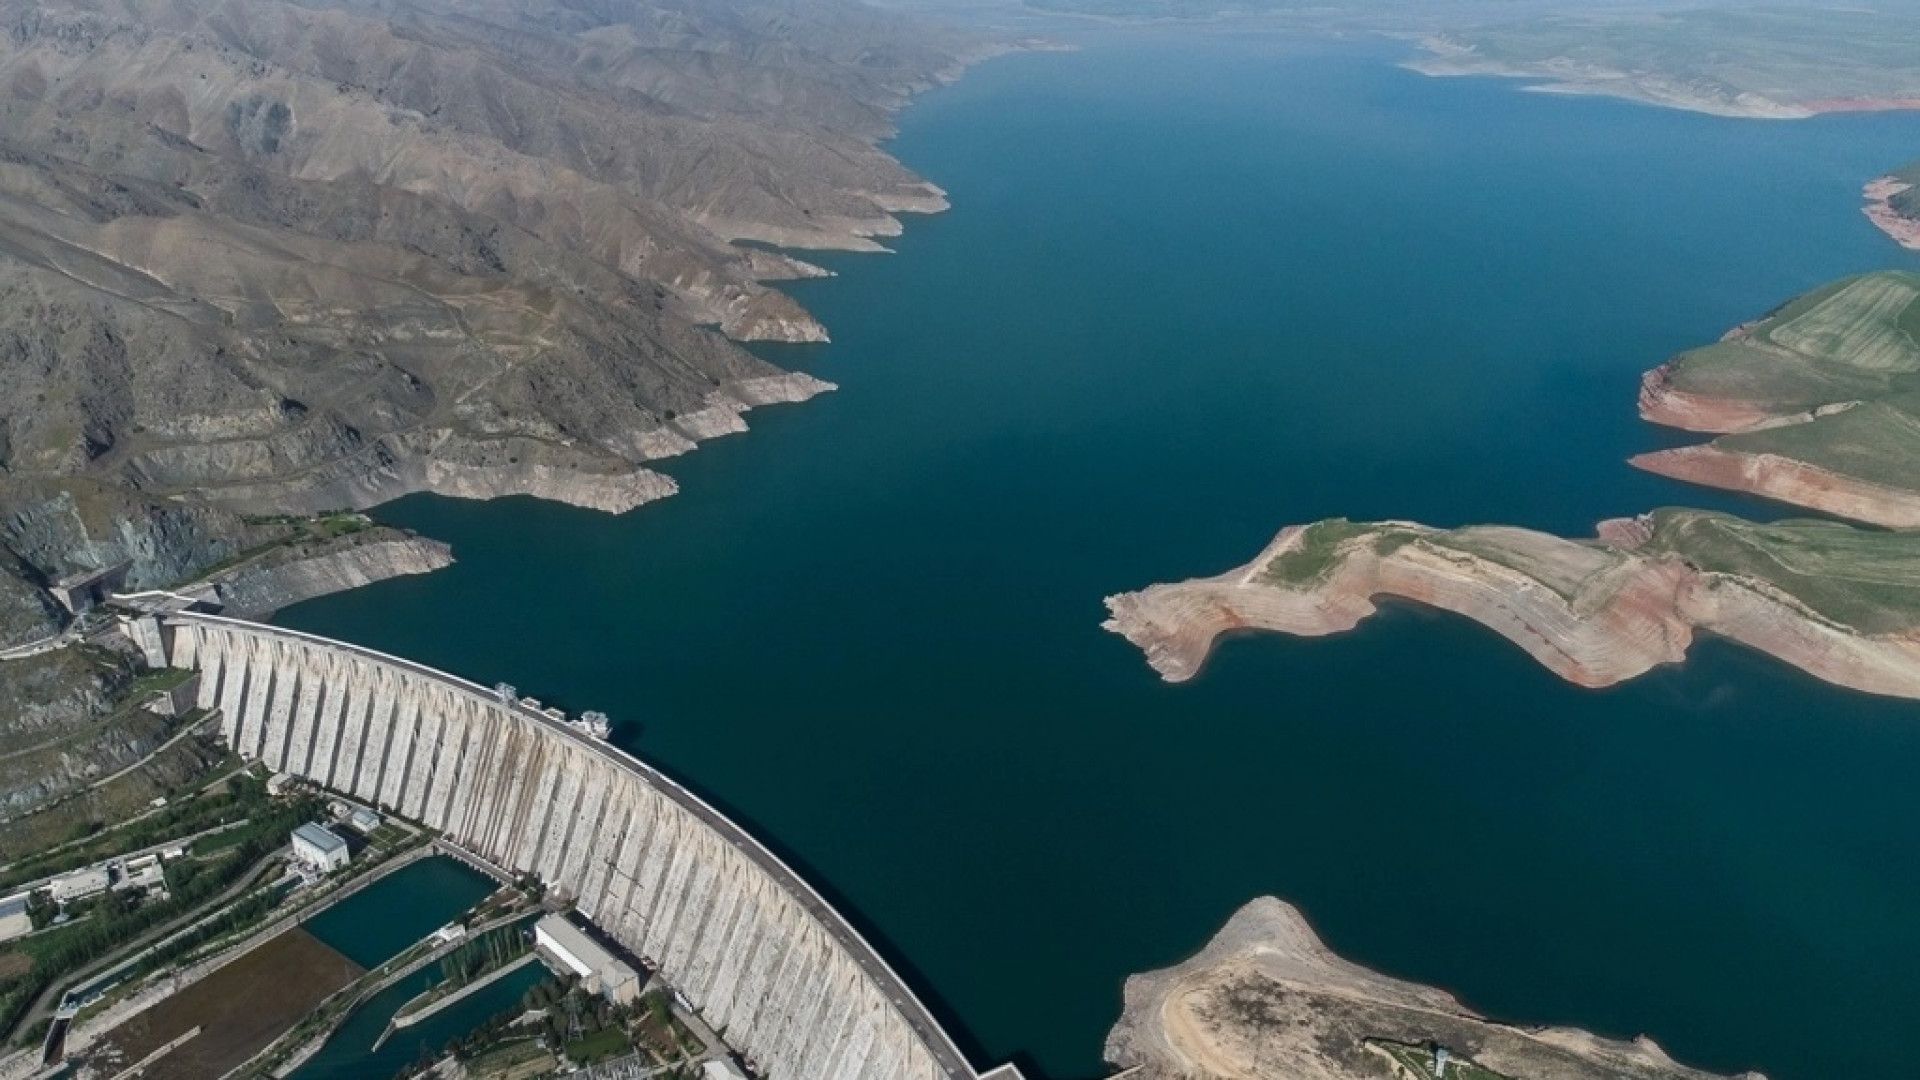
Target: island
[1267,1000]
[1816,408]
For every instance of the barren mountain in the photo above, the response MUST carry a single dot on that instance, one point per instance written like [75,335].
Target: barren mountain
[280,257]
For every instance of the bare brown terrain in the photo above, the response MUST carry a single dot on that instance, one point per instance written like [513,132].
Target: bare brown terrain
[237,1010]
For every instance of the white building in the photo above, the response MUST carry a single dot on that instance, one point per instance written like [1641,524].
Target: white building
[319,847]
[80,884]
[721,1069]
[14,920]
[601,972]
[142,873]
[364,821]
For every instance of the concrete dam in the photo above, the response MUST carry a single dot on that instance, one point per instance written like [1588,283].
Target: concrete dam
[758,953]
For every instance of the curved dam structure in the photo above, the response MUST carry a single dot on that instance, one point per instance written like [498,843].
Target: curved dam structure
[787,980]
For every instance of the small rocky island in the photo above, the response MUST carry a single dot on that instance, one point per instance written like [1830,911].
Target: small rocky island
[1266,1000]
[1812,406]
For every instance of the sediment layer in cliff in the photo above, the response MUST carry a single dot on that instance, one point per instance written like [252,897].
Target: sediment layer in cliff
[1267,1000]
[1841,603]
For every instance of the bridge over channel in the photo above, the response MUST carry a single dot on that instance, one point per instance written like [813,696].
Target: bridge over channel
[756,951]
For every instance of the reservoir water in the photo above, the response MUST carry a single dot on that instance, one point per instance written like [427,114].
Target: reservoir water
[1194,288]
[378,923]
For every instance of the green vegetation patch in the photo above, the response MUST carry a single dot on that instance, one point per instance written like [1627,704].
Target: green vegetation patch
[1854,339]
[116,920]
[1861,578]
[1315,553]
[1565,566]
[1878,442]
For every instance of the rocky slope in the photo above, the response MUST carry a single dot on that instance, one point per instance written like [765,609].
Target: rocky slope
[284,257]
[288,574]
[1836,602]
[1891,206]
[1266,1000]
[52,737]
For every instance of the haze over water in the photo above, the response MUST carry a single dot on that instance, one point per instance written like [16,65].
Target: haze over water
[1195,288]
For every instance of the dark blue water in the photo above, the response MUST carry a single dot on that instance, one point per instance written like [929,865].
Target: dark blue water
[1194,289]
[379,922]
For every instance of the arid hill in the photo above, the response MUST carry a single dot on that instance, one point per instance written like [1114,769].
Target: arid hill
[1267,1000]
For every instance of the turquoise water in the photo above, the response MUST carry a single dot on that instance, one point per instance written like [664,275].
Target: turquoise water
[349,1055]
[379,922]
[1194,289]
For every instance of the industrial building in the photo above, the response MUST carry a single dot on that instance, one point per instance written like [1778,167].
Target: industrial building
[80,884]
[319,847]
[364,821]
[144,872]
[600,972]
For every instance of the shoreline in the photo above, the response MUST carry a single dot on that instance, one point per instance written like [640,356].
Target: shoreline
[1879,193]
[1442,58]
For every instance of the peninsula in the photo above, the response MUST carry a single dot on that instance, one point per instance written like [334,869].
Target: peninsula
[1839,602]
[1761,63]
[1815,405]
[1267,1000]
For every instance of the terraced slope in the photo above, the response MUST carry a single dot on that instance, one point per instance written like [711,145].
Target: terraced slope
[1820,403]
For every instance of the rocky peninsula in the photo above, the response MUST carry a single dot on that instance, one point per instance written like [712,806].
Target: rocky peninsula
[1267,1000]
[1814,407]
[1837,602]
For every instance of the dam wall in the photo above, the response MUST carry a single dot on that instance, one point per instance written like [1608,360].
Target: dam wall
[760,955]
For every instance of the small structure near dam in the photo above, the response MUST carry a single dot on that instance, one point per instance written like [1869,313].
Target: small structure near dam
[755,950]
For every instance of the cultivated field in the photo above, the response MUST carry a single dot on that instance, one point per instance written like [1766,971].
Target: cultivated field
[1855,339]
